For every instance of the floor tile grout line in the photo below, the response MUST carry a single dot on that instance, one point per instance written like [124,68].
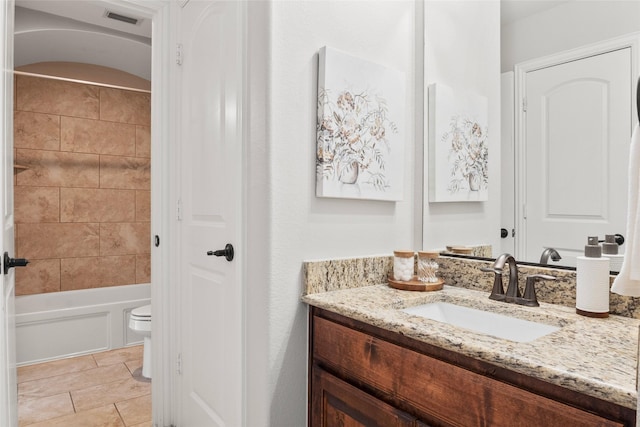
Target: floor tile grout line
[119,414]
[73,404]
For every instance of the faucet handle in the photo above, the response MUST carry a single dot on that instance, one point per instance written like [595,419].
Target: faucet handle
[497,293]
[530,299]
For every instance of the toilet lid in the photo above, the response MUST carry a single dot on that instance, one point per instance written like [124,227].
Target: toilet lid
[144,311]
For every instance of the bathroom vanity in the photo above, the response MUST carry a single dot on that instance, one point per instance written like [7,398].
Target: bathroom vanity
[372,364]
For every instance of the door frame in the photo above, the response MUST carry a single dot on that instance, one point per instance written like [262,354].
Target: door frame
[631,41]
[162,128]
[163,171]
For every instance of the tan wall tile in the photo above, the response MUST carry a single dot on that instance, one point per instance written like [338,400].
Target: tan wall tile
[95,136]
[143,268]
[36,130]
[143,141]
[79,273]
[82,171]
[52,168]
[37,241]
[36,204]
[40,276]
[118,270]
[125,172]
[96,272]
[143,205]
[57,97]
[97,205]
[124,106]
[125,238]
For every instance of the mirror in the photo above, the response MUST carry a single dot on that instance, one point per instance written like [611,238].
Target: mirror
[525,52]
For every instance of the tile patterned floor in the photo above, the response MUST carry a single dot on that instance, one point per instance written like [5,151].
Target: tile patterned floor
[103,389]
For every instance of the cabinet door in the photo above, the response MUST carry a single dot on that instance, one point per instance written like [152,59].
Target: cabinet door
[337,403]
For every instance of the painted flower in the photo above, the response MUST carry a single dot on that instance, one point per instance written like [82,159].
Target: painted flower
[468,155]
[352,131]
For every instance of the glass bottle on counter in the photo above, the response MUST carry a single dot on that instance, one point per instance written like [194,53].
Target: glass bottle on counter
[428,266]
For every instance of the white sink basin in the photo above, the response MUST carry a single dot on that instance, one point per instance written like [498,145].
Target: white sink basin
[484,322]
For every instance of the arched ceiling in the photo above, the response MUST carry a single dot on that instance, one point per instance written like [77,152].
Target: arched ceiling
[41,36]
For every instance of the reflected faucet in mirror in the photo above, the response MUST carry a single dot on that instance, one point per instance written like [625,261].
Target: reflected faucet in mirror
[549,252]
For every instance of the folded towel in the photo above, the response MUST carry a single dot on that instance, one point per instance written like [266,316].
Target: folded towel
[627,281]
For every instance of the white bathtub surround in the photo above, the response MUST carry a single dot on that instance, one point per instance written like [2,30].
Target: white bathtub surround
[62,324]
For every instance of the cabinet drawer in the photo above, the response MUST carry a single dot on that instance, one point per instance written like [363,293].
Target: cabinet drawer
[336,403]
[434,390]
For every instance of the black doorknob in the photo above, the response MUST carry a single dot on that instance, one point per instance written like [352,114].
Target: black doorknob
[227,252]
[13,262]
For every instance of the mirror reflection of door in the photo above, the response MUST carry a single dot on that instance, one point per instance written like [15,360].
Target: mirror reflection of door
[578,128]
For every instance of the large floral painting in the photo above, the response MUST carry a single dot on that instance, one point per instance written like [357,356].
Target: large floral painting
[360,128]
[458,146]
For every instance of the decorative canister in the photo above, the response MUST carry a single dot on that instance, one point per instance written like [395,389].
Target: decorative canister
[428,266]
[403,262]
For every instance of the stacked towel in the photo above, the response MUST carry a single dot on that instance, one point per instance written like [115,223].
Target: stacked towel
[627,281]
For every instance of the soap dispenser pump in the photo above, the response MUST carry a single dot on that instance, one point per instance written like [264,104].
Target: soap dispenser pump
[610,250]
[592,281]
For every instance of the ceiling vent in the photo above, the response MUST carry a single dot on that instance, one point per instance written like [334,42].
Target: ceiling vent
[122,18]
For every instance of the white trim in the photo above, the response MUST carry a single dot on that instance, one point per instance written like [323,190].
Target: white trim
[86,82]
[162,273]
[161,177]
[631,41]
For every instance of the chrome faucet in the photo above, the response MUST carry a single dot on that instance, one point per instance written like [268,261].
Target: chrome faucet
[549,252]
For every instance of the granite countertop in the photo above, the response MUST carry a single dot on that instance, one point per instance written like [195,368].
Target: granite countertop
[597,357]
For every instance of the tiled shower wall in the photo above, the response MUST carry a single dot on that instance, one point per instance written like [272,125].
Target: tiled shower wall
[82,185]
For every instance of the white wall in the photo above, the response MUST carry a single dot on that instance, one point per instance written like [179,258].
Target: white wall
[463,52]
[287,223]
[567,26]
[303,226]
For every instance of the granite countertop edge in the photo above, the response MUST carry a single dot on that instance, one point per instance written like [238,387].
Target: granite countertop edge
[597,357]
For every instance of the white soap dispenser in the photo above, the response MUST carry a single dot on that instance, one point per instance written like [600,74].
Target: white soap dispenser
[592,281]
[610,250]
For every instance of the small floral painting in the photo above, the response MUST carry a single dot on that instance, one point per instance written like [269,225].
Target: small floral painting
[458,146]
[359,132]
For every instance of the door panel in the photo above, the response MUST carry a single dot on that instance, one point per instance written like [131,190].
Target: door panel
[578,131]
[211,290]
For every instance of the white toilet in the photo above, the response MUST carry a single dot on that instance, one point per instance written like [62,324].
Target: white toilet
[140,323]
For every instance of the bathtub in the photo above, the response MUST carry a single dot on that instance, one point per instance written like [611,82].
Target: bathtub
[62,324]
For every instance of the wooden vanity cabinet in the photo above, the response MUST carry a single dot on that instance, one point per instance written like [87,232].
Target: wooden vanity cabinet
[361,375]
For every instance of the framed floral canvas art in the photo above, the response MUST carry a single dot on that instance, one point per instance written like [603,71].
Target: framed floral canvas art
[360,128]
[458,146]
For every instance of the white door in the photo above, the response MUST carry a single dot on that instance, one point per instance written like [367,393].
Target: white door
[578,130]
[211,316]
[8,387]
